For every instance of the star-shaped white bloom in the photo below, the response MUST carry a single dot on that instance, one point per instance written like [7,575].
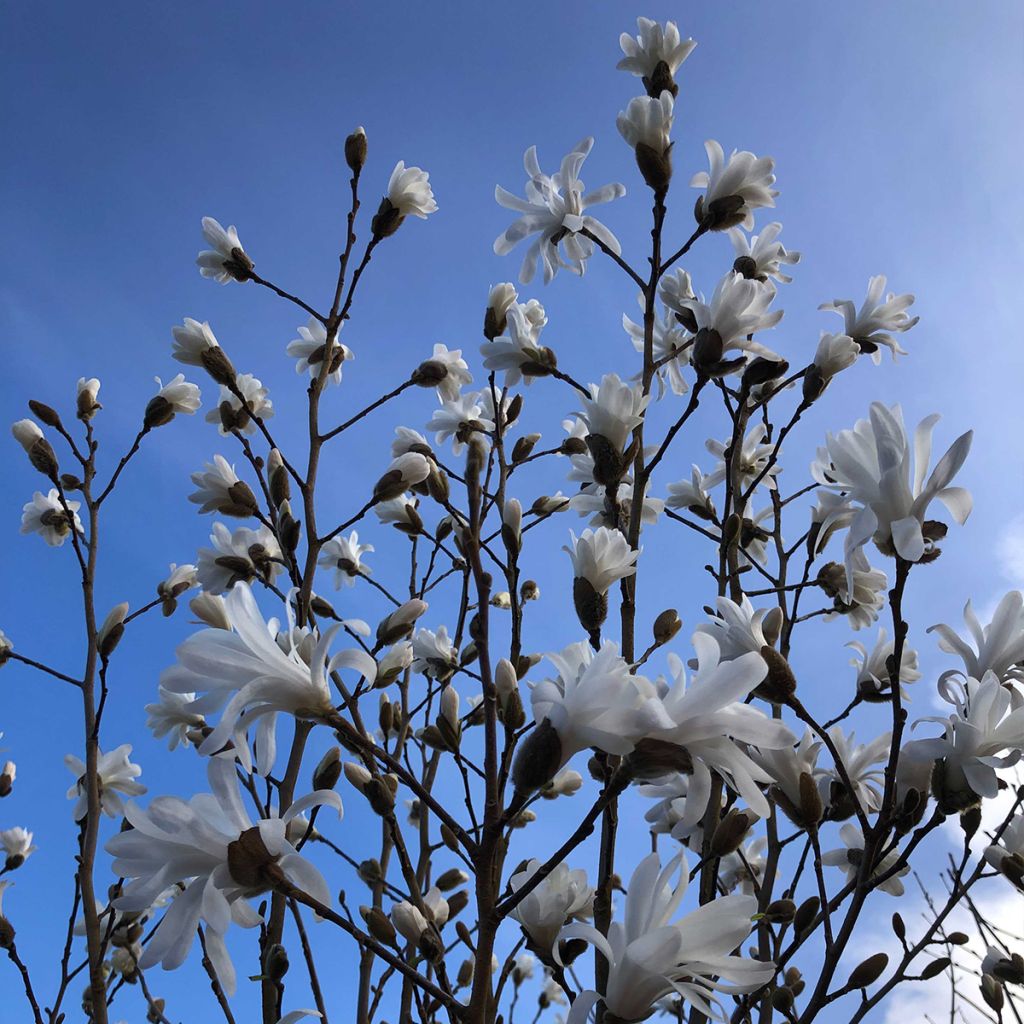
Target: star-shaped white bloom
[998,647]
[45,515]
[876,321]
[554,211]
[243,555]
[733,188]
[564,895]
[344,556]
[116,775]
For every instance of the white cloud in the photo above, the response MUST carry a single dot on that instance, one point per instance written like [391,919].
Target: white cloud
[1010,551]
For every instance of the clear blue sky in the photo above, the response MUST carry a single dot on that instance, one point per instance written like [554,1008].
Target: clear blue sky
[894,128]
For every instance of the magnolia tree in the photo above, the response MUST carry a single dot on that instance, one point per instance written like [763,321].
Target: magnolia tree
[771,828]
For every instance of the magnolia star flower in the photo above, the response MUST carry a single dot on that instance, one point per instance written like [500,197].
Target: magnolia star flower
[738,629]
[873,667]
[669,794]
[985,732]
[762,256]
[691,495]
[650,956]
[601,557]
[235,417]
[220,857]
[859,761]
[849,860]
[1000,644]
[835,352]
[86,398]
[646,126]
[754,458]
[500,299]
[564,895]
[733,189]
[876,321]
[655,45]
[709,719]
[516,351]
[240,556]
[861,604]
[172,716]
[45,515]
[554,210]
[794,773]
[594,701]
[738,309]
[253,674]
[16,844]
[871,465]
[456,373]
[176,396]
[592,500]
[308,351]
[459,418]
[116,775]
[400,511]
[676,291]
[744,868]
[181,578]
[409,440]
[433,654]
[218,489]
[613,410]
[671,347]
[343,555]
[1007,855]
[226,260]
[409,191]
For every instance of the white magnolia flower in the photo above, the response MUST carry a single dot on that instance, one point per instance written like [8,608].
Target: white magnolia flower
[861,603]
[516,351]
[399,511]
[873,666]
[762,256]
[614,409]
[876,321]
[409,921]
[676,291]
[87,397]
[217,487]
[738,309]
[835,352]
[595,701]
[601,557]
[650,955]
[459,418]
[243,555]
[16,844]
[733,189]
[179,395]
[257,403]
[859,760]
[850,856]
[671,347]
[669,796]
[456,375]
[744,868]
[226,259]
[524,967]
[984,733]
[565,783]
[45,515]
[871,465]
[408,440]
[753,459]
[433,653]
[554,210]
[500,299]
[737,629]
[409,191]
[592,500]
[709,719]
[564,895]
[647,121]
[253,674]
[116,775]
[194,843]
[1000,644]
[654,44]
[1009,848]
[691,494]
[192,342]
[344,556]
[794,773]
[308,351]
[172,716]
[180,579]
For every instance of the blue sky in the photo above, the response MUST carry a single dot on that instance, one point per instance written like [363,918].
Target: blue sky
[893,130]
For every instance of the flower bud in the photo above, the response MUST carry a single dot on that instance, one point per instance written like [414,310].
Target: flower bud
[452,879]
[274,962]
[729,833]
[868,971]
[591,607]
[328,771]
[538,758]
[780,683]
[666,625]
[355,151]
[386,221]
[86,402]
[211,609]
[38,449]
[112,630]
[398,625]
[523,448]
